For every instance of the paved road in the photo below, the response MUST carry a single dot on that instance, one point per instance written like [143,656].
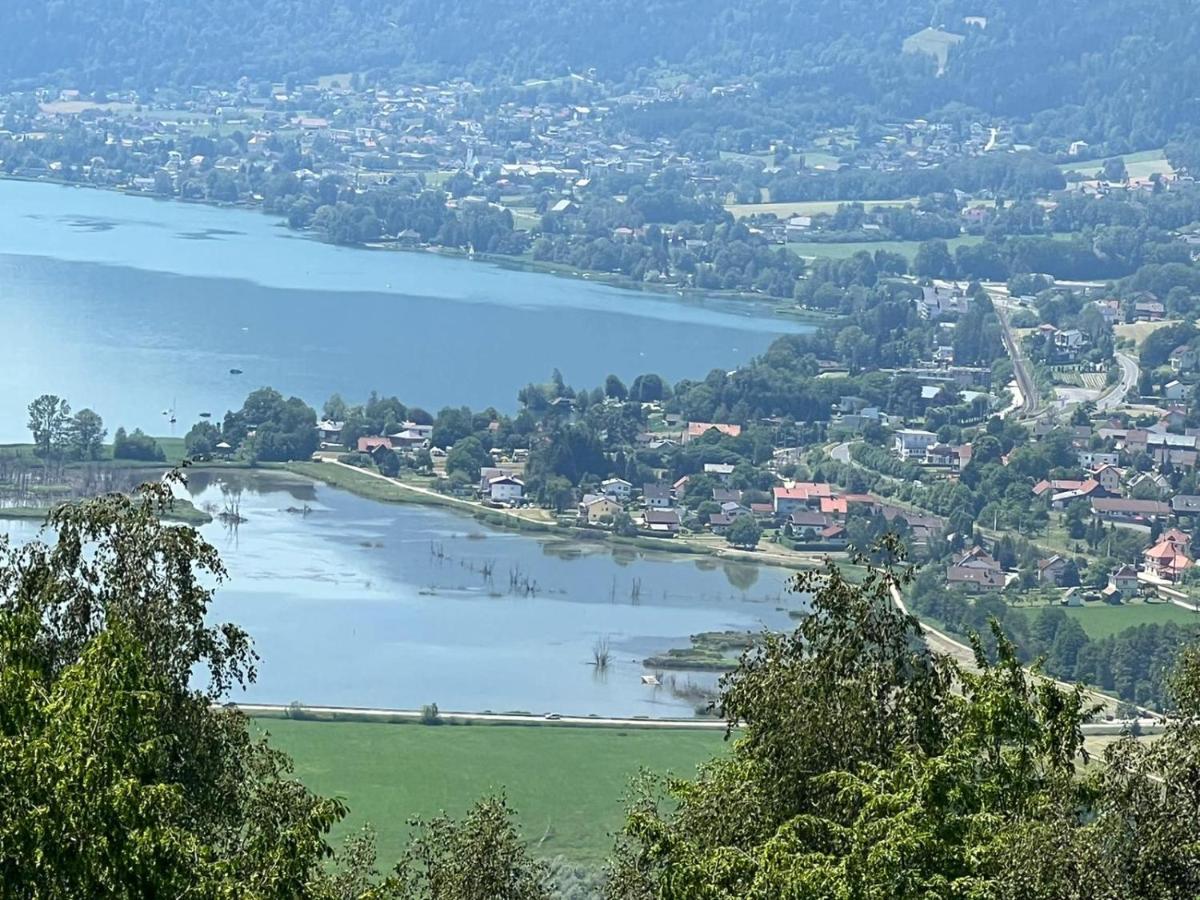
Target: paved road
[354,713]
[357,714]
[1116,395]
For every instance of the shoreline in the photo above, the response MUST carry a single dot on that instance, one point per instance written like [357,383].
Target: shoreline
[770,306]
[373,486]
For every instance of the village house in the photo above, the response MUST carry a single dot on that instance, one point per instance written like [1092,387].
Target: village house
[411,438]
[857,421]
[721,471]
[616,487]
[977,558]
[1124,579]
[1118,509]
[506,489]
[1109,477]
[597,508]
[940,302]
[911,443]
[941,455]
[1056,486]
[835,508]
[1148,311]
[1063,499]
[727,495]
[656,496]
[1052,570]
[803,519]
[763,511]
[696,429]
[1175,390]
[1185,504]
[800,495]
[1091,459]
[719,523]
[330,432]
[1168,558]
[979,579]
[1183,358]
[975,569]
[367,444]
[661,521]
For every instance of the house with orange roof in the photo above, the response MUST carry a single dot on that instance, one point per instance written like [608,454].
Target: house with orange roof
[696,429]
[1166,560]
[800,495]
[369,444]
[836,507]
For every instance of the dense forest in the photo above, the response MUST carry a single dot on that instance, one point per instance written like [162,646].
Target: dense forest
[1074,69]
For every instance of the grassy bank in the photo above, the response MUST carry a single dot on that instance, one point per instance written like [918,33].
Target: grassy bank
[182,511]
[566,783]
[373,488]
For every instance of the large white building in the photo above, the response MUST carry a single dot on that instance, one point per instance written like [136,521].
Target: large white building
[911,443]
[506,489]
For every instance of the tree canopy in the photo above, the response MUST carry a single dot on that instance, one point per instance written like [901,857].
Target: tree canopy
[867,766]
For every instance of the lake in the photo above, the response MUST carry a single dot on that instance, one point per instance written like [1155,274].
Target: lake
[359,603]
[132,306]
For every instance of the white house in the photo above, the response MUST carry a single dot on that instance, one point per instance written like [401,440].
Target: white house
[911,443]
[1093,459]
[506,489]
[1175,390]
[329,431]
[721,471]
[616,487]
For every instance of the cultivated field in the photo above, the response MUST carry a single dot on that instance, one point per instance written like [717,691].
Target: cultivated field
[566,783]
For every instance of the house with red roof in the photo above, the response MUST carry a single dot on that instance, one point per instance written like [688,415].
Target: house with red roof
[1166,560]
[373,443]
[799,495]
[696,429]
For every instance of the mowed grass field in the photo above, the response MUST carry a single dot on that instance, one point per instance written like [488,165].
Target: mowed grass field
[805,207]
[1139,331]
[816,249]
[567,784]
[1138,165]
[1101,620]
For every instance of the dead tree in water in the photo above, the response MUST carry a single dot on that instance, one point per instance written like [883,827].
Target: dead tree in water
[600,654]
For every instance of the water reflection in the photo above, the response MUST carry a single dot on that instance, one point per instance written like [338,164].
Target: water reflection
[359,603]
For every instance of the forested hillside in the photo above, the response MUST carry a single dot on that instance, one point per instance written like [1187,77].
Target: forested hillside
[823,60]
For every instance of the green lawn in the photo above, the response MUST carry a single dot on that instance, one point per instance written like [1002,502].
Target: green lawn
[847,249]
[172,447]
[1101,620]
[1138,165]
[566,784]
[806,207]
[364,485]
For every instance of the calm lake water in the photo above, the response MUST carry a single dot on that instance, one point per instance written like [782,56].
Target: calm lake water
[129,305]
[359,603]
